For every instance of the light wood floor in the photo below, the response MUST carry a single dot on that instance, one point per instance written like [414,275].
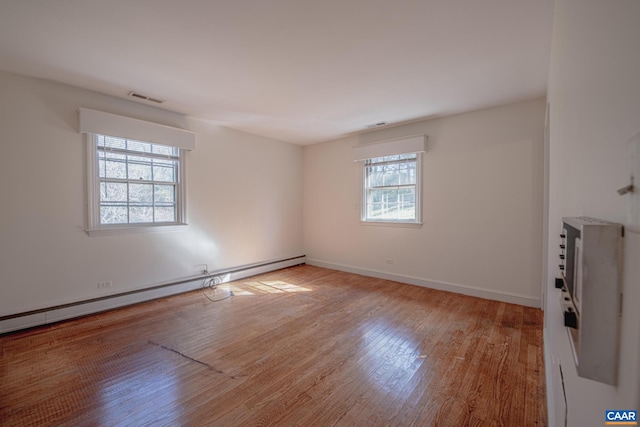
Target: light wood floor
[304,346]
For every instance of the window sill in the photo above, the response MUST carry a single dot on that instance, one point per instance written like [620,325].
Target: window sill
[392,224]
[131,229]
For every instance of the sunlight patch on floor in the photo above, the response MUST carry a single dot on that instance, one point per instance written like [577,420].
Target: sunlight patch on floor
[267,287]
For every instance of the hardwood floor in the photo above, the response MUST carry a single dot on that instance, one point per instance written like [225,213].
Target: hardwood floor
[304,346]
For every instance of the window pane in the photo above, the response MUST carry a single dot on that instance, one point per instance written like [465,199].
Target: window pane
[407,173]
[101,165]
[407,203]
[112,142]
[374,177]
[162,172]
[391,204]
[139,168]
[143,147]
[113,192]
[113,214]
[139,214]
[407,193]
[383,210]
[141,193]
[407,211]
[393,158]
[374,211]
[165,214]
[164,194]
[390,210]
[136,188]
[390,176]
[111,165]
[398,172]
[115,169]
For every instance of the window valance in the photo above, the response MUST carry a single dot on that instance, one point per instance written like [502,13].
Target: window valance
[98,122]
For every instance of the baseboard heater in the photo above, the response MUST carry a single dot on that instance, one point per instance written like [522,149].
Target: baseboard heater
[29,319]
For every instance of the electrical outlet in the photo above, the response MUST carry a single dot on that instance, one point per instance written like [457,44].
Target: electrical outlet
[105,284]
[389,261]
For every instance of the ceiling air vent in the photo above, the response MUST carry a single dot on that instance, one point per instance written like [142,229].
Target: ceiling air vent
[144,97]
[376,125]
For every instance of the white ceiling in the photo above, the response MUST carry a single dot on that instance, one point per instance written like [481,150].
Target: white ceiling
[301,71]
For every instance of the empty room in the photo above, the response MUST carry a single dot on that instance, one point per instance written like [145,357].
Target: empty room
[306,213]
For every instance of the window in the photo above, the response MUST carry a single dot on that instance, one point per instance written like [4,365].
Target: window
[134,183]
[139,182]
[391,176]
[390,188]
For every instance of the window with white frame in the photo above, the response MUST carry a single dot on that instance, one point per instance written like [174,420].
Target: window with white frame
[134,183]
[139,182]
[391,177]
[391,188]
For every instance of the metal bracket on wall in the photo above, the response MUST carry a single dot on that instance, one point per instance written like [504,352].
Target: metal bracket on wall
[628,189]
[633,195]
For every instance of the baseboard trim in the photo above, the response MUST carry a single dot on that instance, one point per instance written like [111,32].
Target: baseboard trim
[29,319]
[508,297]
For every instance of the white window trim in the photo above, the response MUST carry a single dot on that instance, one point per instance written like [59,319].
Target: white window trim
[417,223]
[392,224]
[412,144]
[92,122]
[94,228]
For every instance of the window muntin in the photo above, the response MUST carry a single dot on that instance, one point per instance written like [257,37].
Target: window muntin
[391,189]
[138,183]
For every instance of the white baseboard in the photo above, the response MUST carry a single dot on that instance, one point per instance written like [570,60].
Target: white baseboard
[509,297]
[83,308]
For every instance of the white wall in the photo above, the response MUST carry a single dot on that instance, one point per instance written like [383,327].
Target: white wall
[482,206]
[244,202]
[594,95]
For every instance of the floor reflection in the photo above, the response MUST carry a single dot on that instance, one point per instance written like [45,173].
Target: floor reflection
[139,392]
[391,356]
